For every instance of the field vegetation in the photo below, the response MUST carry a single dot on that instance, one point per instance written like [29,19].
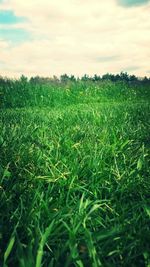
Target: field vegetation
[74,173]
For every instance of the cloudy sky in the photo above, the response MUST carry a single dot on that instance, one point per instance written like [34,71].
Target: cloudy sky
[53,37]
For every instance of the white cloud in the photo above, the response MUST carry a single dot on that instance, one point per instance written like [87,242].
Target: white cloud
[73,36]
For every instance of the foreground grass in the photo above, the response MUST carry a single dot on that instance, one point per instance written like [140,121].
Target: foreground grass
[74,188]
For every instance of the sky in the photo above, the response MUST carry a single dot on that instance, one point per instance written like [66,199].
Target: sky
[53,37]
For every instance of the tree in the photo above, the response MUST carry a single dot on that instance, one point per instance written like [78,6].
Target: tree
[64,78]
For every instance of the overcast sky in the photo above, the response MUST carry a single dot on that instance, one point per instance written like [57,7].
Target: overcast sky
[53,37]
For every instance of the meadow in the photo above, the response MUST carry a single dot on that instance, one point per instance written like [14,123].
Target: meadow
[74,174]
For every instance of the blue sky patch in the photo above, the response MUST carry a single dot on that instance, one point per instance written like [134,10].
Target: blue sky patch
[15,35]
[130,3]
[8,17]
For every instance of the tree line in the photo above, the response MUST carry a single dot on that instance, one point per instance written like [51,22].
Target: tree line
[64,78]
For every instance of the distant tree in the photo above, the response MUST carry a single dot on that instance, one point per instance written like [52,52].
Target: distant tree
[22,82]
[23,79]
[133,78]
[64,78]
[85,77]
[117,77]
[55,79]
[72,78]
[2,81]
[106,76]
[96,78]
[145,79]
[124,76]
[36,80]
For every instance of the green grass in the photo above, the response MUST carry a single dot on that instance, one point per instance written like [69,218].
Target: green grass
[74,176]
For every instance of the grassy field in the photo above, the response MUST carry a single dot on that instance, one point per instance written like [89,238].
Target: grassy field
[74,175]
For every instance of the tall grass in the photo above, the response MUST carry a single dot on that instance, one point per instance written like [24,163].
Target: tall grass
[19,94]
[74,176]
